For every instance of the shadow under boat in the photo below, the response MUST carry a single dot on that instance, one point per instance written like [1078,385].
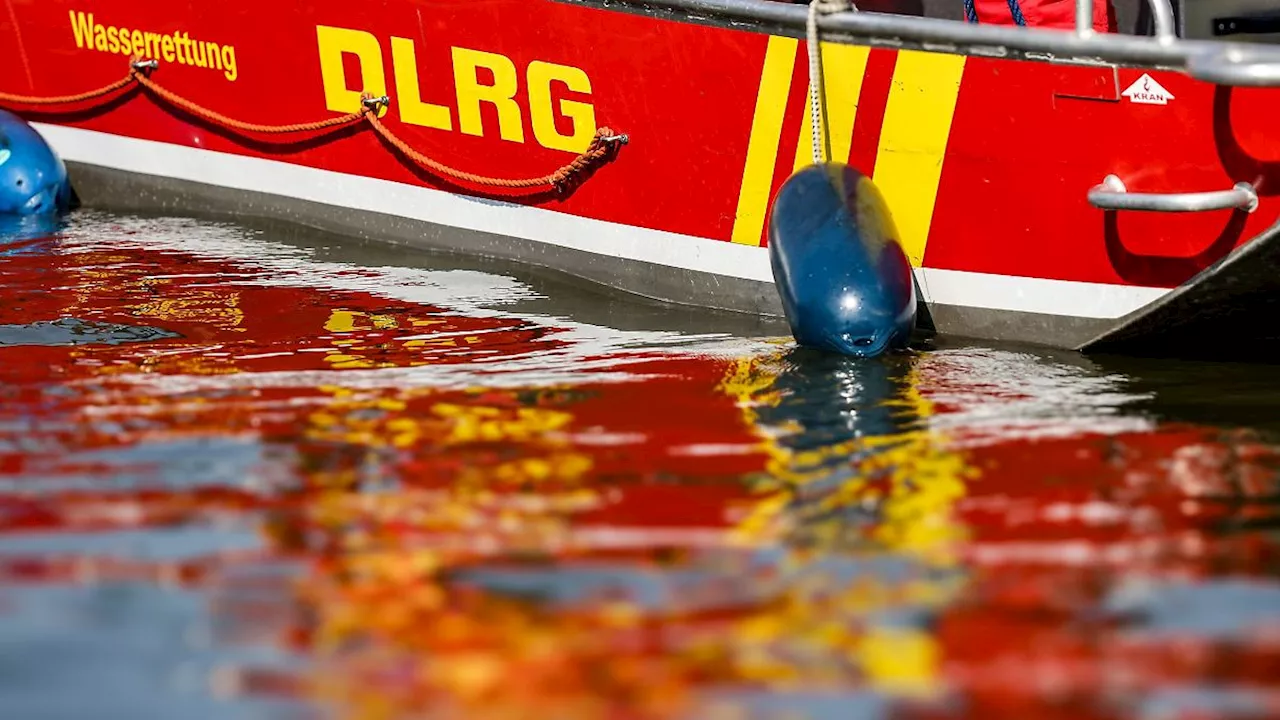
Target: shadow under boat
[555,293]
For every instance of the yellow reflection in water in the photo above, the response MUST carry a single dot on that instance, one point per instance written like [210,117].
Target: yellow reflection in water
[397,636]
[912,480]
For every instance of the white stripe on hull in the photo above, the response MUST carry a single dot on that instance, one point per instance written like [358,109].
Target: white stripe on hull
[945,287]
[1035,295]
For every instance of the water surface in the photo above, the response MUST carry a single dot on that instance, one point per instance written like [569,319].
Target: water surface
[252,472]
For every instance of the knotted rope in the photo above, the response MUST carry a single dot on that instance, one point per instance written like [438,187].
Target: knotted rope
[602,145]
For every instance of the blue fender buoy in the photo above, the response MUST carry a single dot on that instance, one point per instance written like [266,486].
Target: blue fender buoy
[33,179]
[845,282]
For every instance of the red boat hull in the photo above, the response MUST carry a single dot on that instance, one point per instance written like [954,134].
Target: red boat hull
[985,163]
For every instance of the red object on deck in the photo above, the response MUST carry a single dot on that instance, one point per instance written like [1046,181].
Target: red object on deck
[1055,14]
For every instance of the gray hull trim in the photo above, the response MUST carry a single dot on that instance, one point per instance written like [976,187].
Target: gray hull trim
[117,190]
[121,191]
[1058,331]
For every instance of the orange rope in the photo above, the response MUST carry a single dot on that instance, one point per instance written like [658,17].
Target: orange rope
[221,119]
[602,145]
[67,99]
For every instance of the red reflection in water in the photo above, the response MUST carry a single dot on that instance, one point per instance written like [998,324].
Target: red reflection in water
[610,549]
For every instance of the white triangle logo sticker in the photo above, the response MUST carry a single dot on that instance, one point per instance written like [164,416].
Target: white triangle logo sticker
[1148,92]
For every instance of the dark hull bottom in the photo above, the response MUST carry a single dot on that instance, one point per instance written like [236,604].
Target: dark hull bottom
[105,188]
[1227,311]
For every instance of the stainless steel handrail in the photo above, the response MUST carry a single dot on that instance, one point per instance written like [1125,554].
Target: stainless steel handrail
[1161,13]
[1112,194]
[1084,17]
[1214,61]
[1233,65]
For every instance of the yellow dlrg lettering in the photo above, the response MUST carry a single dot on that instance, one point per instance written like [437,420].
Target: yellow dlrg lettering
[471,84]
[501,93]
[540,76]
[408,95]
[333,43]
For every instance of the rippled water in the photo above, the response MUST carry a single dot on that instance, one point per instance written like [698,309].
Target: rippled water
[249,472]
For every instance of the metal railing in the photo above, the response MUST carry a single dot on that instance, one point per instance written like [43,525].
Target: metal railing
[1111,194]
[1224,63]
[1161,14]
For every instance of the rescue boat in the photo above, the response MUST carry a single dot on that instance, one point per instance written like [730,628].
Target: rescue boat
[1057,186]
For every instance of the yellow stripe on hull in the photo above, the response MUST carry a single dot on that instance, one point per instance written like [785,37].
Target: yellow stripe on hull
[913,141]
[766,133]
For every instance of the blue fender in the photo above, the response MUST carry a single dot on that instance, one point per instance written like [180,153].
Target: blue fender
[844,280]
[33,179]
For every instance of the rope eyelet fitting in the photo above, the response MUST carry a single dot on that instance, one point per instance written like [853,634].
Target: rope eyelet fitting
[144,66]
[375,103]
[621,139]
